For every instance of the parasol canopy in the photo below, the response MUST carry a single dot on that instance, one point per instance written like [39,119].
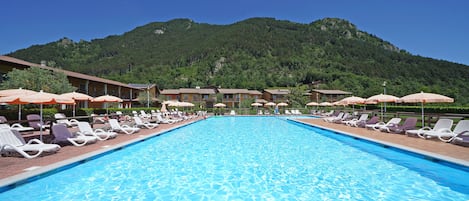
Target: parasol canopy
[423,97]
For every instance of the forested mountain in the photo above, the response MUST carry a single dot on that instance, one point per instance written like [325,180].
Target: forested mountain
[256,53]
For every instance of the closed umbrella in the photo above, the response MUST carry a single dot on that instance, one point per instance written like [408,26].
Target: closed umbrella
[423,98]
[77,97]
[14,94]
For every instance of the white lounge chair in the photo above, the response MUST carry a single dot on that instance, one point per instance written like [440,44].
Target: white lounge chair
[17,127]
[379,125]
[85,129]
[139,123]
[162,120]
[62,119]
[11,142]
[287,112]
[332,118]
[115,126]
[441,124]
[232,113]
[62,134]
[446,135]
[353,122]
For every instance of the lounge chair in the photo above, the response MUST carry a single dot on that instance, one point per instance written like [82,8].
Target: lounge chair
[446,135]
[408,124]
[441,124]
[17,127]
[3,120]
[140,123]
[332,118]
[379,125]
[63,135]
[353,122]
[34,120]
[259,112]
[14,142]
[232,113]
[85,129]
[62,119]
[346,117]
[116,127]
[287,112]
[461,139]
[97,119]
[162,120]
[363,124]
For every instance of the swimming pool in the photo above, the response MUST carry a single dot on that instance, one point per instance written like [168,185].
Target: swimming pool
[250,158]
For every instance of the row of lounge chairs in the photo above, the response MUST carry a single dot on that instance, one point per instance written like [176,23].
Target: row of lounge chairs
[442,129]
[11,140]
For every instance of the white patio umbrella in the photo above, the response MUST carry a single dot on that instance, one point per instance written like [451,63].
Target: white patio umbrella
[423,98]
[256,104]
[269,104]
[282,104]
[219,105]
[312,104]
[77,97]
[352,100]
[12,93]
[382,98]
[325,104]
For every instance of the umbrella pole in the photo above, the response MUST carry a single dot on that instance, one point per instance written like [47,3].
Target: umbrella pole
[19,111]
[423,117]
[382,118]
[40,123]
[73,109]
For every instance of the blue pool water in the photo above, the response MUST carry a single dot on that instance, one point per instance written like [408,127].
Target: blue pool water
[251,158]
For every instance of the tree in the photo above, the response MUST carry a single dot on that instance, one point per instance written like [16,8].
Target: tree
[145,99]
[37,79]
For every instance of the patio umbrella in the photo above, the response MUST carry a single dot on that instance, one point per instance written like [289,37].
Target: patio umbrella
[77,96]
[256,104]
[42,98]
[325,104]
[107,99]
[352,100]
[219,105]
[312,104]
[12,93]
[382,98]
[269,104]
[426,98]
[282,104]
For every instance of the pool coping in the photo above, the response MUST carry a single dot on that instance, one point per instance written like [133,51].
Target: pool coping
[428,155]
[25,177]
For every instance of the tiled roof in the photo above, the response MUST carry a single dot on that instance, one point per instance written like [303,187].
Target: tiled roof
[169,91]
[233,91]
[255,92]
[66,72]
[278,91]
[196,91]
[332,92]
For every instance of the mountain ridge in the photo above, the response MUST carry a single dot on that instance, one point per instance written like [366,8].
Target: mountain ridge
[255,53]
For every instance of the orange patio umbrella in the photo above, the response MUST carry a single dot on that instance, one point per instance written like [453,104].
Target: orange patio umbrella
[107,99]
[42,98]
[77,96]
[12,96]
[382,98]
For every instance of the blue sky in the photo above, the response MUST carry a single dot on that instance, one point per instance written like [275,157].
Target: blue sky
[431,28]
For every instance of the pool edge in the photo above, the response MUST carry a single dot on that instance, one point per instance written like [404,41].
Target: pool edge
[427,154]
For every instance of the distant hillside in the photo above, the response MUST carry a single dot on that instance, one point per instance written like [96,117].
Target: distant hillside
[256,53]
